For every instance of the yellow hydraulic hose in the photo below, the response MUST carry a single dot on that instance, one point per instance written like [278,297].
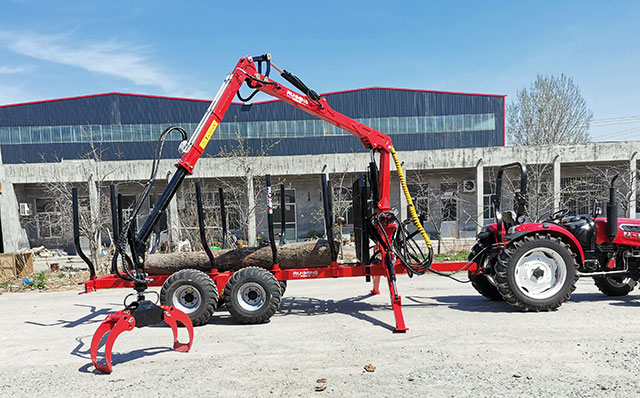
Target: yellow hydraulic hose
[412,209]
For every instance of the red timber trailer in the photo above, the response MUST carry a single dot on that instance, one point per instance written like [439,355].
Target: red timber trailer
[252,294]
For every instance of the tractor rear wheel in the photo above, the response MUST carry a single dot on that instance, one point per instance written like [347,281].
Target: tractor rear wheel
[252,295]
[536,273]
[484,284]
[614,285]
[192,292]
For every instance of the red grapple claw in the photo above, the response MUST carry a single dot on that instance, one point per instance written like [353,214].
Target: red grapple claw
[121,321]
[172,316]
[115,323]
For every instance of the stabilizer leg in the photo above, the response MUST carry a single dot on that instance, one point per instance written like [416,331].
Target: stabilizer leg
[396,300]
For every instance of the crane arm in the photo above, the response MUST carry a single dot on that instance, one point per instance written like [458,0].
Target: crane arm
[245,71]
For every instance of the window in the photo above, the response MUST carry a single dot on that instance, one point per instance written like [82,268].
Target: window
[580,194]
[487,206]
[257,129]
[47,216]
[289,213]
[449,201]
[343,203]
[420,197]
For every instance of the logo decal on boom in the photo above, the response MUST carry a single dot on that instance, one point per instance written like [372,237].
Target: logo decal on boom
[297,98]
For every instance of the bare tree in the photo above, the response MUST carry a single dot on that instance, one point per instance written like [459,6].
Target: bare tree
[55,213]
[248,162]
[584,193]
[551,111]
[440,201]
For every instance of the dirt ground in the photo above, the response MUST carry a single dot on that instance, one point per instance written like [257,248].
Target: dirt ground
[459,345]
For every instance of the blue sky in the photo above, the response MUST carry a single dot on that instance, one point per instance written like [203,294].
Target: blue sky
[67,48]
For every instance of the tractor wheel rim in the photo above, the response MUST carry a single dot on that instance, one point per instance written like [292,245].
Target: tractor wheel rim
[540,273]
[187,299]
[251,296]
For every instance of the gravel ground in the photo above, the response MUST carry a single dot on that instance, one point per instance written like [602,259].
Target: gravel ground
[459,345]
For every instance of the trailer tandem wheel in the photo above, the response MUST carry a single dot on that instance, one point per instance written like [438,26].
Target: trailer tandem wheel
[192,292]
[252,295]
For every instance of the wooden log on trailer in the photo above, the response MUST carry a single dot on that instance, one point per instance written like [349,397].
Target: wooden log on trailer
[300,254]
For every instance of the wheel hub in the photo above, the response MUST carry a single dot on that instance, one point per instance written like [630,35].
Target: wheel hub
[251,296]
[187,299]
[540,273]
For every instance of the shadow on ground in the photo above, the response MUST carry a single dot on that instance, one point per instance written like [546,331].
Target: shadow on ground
[95,315]
[358,308]
[82,350]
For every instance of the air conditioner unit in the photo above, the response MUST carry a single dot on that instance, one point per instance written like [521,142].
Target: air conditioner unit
[25,209]
[469,186]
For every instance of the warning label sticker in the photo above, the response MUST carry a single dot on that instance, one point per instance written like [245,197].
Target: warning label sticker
[207,136]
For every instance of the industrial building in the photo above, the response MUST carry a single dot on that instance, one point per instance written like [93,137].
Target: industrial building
[450,142]
[120,130]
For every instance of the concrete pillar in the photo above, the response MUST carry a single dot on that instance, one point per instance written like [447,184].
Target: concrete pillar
[251,217]
[94,200]
[556,183]
[479,195]
[633,182]
[14,236]
[173,221]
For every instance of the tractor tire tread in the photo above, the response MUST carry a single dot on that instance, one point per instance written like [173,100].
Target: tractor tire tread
[503,282]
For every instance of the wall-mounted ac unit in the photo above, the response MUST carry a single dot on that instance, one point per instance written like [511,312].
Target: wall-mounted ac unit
[469,186]
[25,209]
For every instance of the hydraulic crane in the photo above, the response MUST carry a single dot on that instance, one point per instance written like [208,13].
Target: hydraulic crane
[393,251]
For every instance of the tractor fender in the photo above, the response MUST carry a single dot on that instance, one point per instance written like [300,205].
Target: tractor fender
[552,229]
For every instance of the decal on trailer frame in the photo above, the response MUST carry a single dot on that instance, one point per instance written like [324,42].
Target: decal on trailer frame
[305,274]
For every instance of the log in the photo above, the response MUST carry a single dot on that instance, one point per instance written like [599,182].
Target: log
[293,255]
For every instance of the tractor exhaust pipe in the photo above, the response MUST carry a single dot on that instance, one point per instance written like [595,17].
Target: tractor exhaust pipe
[612,212]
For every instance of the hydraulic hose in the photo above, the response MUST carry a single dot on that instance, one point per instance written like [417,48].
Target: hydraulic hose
[411,207]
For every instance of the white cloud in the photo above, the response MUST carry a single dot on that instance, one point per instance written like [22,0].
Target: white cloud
[8,70]
[11,94]
[109,58]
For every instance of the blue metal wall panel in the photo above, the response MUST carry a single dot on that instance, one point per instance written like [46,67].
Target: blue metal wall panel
[119,109]
[131,109]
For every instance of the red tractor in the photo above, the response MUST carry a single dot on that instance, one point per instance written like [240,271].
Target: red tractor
[534,266]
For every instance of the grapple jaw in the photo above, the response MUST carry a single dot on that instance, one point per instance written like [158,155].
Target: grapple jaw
[143,313]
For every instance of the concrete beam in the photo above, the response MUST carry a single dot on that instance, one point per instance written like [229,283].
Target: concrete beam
[76,170]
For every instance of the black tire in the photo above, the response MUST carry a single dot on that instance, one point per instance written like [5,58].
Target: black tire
[252,295]
[614,285]
[481,282]
[518,282]
[192,292]
[283,288]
